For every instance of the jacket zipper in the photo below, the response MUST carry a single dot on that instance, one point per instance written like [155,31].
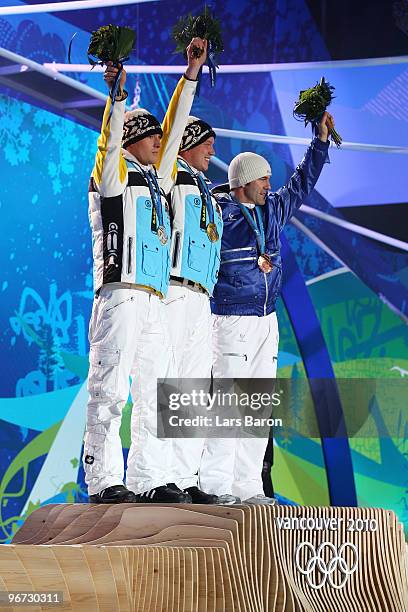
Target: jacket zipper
[240,249]
[266,297]
[239,259]
[129,255]
[265,277]
[176,249]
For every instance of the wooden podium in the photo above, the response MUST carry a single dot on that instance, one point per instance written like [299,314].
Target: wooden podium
[193,558]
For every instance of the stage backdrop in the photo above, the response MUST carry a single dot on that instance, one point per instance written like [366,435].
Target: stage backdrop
[357,287]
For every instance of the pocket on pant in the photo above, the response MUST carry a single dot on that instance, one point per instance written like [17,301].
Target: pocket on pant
[111,307]
[170,300]
[239,356]
[103,372]
[93,458]
[231,363]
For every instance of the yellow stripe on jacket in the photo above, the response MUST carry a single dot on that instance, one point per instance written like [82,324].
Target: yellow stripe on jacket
[173,126]
[110,171]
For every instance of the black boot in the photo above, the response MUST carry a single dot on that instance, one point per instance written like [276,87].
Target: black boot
[166,494]
[200,497]
[118,494]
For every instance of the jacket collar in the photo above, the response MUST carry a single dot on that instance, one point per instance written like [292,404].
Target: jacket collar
[132,158]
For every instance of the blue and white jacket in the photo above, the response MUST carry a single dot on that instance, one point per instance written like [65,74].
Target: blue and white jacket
[126,245]
[242,288]
[193,255]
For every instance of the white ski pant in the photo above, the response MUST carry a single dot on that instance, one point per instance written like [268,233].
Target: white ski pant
[189,322]
[244,347]
[128,339]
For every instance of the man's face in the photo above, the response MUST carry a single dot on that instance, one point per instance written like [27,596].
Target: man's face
[255,191]
[146,150]
[199,156]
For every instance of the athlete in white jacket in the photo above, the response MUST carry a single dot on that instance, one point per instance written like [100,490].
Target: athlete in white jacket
[195,257]
[130,223]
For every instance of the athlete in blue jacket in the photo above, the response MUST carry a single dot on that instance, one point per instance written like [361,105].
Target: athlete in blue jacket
[245,329]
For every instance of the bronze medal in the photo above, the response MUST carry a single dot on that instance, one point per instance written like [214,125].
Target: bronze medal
[162,234]
[212,232]
[265,264]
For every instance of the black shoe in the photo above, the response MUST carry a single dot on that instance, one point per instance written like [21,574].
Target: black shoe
[174,487]
[118,494]
[200,497]
[166,494]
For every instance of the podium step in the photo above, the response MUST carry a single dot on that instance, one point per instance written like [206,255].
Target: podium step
[193,558]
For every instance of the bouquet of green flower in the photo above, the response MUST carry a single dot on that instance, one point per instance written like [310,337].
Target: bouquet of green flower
[312,103]
[200,26]
[111,44]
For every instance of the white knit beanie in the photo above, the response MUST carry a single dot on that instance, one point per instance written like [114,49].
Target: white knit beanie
[247,167]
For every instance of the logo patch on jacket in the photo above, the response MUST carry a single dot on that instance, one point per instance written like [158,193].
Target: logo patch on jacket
[89,459]
[148,204]
[111,258]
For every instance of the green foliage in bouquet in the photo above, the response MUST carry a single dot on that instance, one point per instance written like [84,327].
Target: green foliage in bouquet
[313,102]
[111,43]
[201,26]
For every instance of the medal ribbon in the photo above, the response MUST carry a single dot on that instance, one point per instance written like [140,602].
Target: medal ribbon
[204,192]
[212,66]
[154,192]
[156,195]
[256,226]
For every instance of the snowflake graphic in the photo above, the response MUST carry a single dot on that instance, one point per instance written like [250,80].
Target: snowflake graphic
[67,146]
[16,139]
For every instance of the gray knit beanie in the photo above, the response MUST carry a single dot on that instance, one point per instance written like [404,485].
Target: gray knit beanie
[247,167]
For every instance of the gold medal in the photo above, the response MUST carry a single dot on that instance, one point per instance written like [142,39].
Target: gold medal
[162,234]
[265,264]
[212,232]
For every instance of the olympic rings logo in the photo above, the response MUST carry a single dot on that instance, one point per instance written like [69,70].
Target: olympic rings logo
[316,563]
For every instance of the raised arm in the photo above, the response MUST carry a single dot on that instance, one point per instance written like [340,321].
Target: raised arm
[290,197]
[177,114]
[110,172]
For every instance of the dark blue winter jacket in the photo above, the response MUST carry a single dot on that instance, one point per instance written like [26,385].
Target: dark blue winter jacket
[242,288]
